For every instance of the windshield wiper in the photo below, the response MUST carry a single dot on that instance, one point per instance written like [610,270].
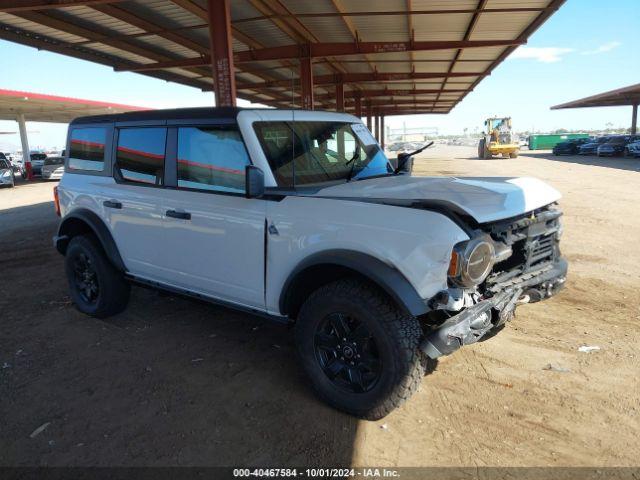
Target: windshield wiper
[356,156]
[403,158]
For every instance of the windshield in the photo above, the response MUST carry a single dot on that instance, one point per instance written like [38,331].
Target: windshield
[306,153]
[38,156]
[54,161]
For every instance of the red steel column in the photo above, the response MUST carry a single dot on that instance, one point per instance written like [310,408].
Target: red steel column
[340,97]
[358,105]
[382,131]
[306,83]
[222,53]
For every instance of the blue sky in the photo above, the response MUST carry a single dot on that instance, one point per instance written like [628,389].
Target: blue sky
[587,47]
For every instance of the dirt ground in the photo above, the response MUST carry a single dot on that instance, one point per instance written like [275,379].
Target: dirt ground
[175,382]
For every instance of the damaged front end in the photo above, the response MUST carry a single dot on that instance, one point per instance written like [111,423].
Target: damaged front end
[505,264]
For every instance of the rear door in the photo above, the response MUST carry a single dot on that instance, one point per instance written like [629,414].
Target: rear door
[134,202]
[215,235]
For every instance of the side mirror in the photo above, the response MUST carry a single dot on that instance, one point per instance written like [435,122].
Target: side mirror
[405,163]
[254,182]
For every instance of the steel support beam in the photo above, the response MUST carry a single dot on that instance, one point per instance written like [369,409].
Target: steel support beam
[358,106]
[390,92]
[339,97]
[634,120]
[358,78]
[377,121]
[317,50]
[382,131]
[24,140]
[221,49]
[26,5]
[306,83]
[369,125]
[362,48]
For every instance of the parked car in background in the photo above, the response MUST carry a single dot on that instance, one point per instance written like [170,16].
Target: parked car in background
[591,148]
[571,146]
[37,161]
[615,146]
[633,149]
[53,168]
[7,177]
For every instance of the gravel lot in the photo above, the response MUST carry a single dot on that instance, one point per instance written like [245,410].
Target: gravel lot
[175,382]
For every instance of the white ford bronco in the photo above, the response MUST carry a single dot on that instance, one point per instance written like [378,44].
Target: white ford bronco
[300,217]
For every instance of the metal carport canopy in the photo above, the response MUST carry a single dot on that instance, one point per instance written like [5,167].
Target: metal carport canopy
[38,107]
[419,56]
[615,98]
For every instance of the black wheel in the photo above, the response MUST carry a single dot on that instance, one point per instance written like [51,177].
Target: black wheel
[481,149]
[359,350]
[96,287]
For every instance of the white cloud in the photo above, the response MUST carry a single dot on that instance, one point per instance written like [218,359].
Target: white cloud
[541,54]
[605,47]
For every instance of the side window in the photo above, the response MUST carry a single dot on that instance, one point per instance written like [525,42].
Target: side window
[211,158]
[140,154]
[87,149]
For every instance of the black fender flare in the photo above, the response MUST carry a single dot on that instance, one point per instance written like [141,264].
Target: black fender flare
[72,224]
[387,277]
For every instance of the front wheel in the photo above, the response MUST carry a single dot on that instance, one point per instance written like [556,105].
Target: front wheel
[96,287]
[359,350]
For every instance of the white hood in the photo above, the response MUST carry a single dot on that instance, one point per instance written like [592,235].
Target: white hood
[486,199]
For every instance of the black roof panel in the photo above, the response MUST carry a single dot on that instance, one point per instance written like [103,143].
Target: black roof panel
[228,113]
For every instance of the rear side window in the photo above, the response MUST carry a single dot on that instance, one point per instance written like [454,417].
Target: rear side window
[211,158]
[87,149]
[140,155]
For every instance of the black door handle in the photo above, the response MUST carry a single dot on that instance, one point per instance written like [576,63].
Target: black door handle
[112,204]
[181,215]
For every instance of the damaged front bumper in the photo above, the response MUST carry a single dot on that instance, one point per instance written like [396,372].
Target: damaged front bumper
[474,322]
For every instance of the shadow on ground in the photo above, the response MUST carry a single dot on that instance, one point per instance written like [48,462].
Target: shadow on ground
[168,382]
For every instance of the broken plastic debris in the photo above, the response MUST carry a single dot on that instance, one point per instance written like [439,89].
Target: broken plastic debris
[39,430]
[588,348]
[555,368]
[384,426]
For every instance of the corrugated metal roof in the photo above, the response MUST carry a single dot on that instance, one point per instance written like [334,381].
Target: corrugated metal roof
[370,45]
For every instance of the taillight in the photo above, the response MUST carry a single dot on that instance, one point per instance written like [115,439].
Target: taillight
[56,200]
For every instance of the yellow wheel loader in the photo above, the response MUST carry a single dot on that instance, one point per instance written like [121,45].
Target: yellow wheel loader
[498,139]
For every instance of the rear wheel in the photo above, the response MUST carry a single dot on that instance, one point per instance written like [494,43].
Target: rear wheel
[96,287]
[359,350]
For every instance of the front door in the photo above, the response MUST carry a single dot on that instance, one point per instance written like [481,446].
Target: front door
[214,235]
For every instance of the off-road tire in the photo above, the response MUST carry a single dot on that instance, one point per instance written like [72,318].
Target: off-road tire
[113,289]
[396,334]
[481,147]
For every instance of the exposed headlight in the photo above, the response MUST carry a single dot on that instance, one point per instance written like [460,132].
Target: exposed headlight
[471,261]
